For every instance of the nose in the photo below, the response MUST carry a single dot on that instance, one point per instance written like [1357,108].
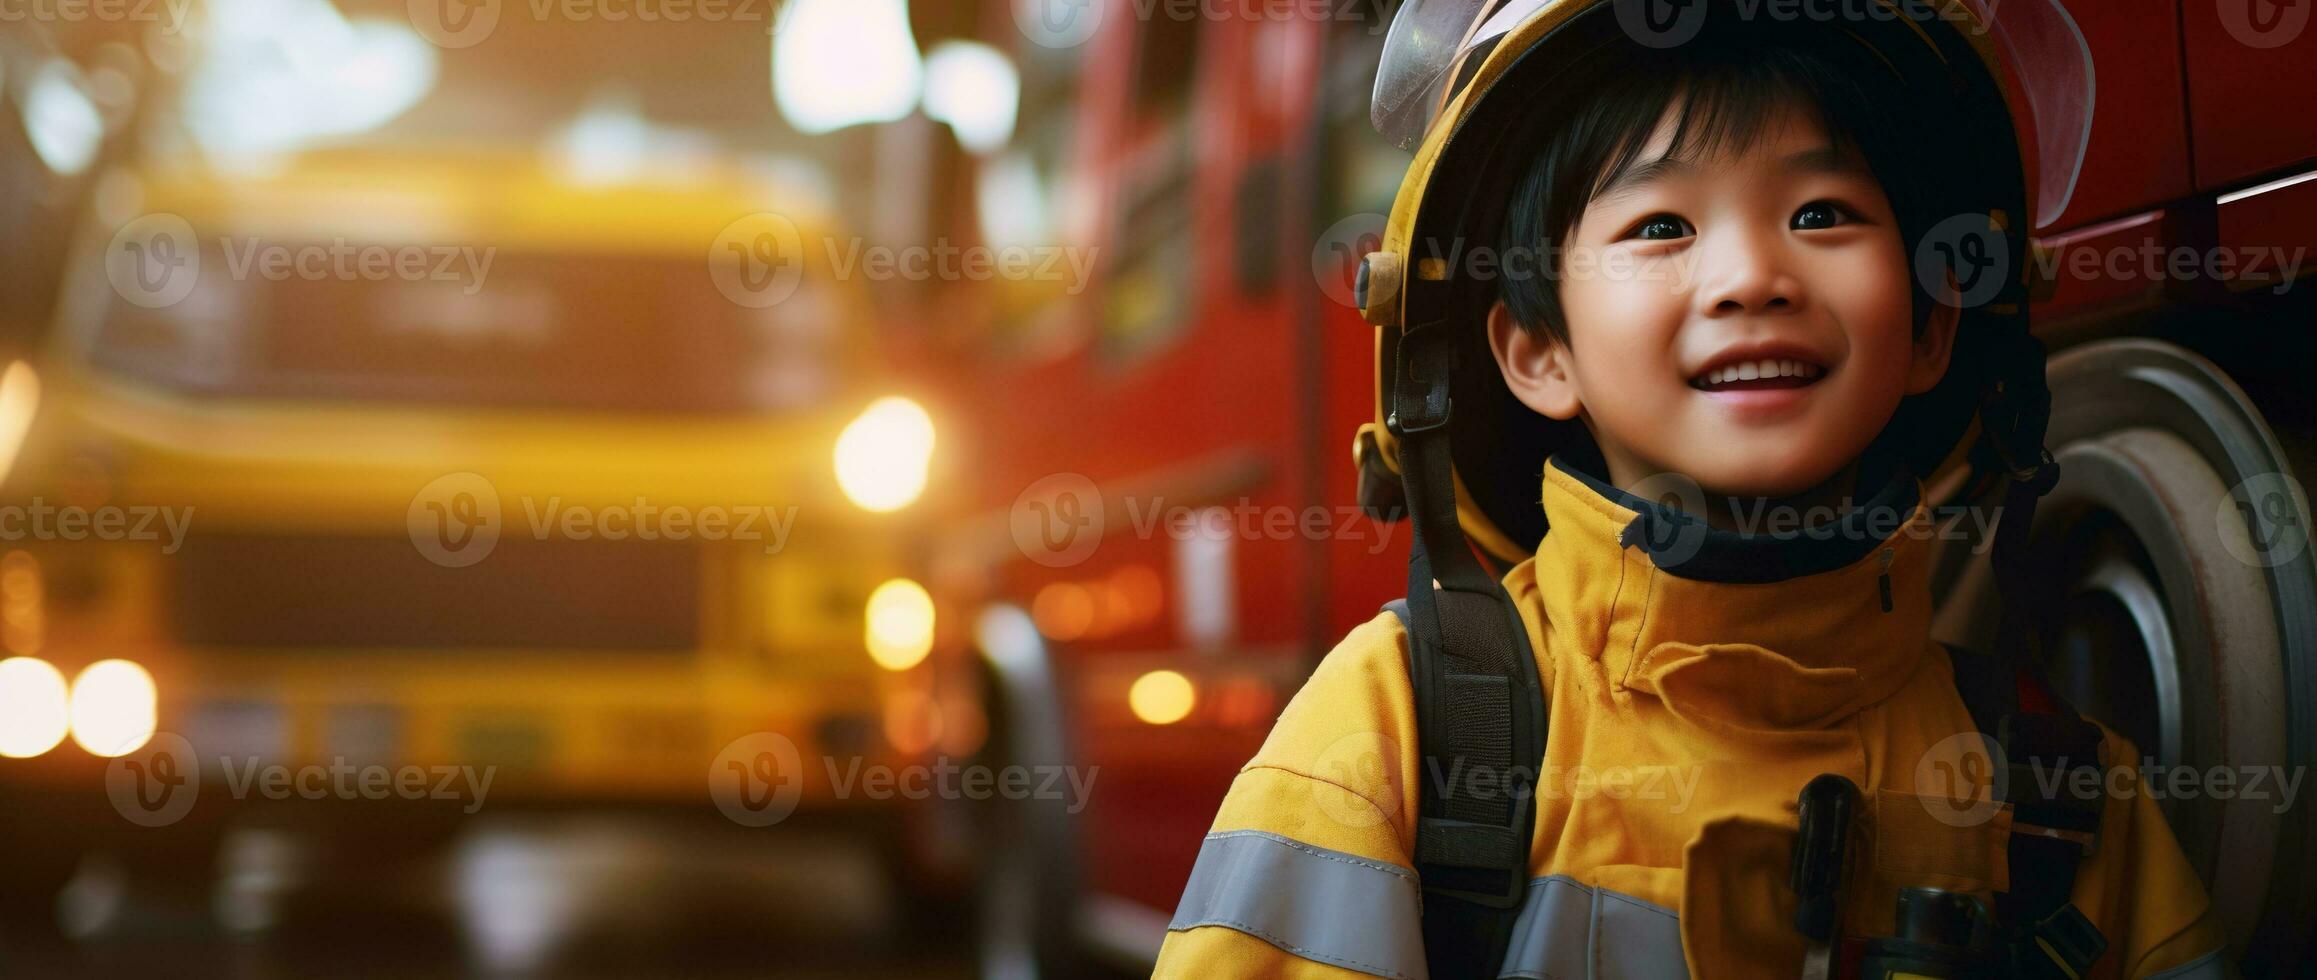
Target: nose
[1746,274]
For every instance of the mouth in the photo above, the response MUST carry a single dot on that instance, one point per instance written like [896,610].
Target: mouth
[1758,374]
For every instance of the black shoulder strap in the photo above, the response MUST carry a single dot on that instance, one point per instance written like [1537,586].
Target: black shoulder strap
[2038,734]
[1480,718]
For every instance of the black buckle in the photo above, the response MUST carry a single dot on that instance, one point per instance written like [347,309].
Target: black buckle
[2064,944]
[1516,883]
[1420,402]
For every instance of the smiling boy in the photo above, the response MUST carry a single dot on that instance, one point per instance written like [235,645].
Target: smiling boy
[1730,319]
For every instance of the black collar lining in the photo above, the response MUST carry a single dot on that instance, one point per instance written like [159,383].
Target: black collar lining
[1685,545]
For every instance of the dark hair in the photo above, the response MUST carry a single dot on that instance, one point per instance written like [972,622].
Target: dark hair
[1730,86]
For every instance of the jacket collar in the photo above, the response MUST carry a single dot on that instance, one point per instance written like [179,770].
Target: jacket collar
[1781,628]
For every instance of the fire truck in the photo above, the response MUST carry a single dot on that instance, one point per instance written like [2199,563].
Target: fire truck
[581,530]
[1171,534]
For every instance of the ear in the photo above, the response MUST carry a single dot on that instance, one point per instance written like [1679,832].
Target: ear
[1937,343]
[1540,371]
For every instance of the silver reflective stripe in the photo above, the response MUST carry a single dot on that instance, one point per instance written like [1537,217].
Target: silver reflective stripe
[1568,930]
[1319,904]
[2203,967]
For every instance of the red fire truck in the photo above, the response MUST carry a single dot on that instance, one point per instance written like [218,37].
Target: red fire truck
[1171,535]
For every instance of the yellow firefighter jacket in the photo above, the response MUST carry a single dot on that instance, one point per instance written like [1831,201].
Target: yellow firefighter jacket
[1686,713]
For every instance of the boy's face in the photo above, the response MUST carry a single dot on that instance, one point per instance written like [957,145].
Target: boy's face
[1744,320]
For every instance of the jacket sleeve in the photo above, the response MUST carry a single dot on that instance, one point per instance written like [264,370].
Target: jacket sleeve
[1305,872]
[2153,908]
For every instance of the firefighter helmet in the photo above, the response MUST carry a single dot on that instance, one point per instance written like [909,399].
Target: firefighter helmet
[1993,92]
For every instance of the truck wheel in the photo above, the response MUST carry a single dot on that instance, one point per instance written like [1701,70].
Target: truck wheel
[1026,885]
[2178,605]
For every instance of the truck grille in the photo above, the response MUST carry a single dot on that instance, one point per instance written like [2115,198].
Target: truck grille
[323,592]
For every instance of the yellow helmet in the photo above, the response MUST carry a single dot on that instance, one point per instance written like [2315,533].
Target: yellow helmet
[1997,90]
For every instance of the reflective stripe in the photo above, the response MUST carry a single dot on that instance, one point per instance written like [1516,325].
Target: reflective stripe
[1319,904]
[2206,967]
[1568,930]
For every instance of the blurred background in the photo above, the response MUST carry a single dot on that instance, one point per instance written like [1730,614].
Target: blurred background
[837,487]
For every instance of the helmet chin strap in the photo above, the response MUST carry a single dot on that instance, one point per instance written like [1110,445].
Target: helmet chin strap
[2013,418]
[1480,722]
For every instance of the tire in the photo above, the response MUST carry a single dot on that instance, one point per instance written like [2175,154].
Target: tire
[1026,886]
[2177,603]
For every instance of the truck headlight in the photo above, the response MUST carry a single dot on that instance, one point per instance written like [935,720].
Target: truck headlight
[899,624]
[32,707]
[883,456]
[112,708]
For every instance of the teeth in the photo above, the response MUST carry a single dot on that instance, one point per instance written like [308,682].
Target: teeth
[1765,368]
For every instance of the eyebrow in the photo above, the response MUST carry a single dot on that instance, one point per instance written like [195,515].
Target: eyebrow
[1816,160]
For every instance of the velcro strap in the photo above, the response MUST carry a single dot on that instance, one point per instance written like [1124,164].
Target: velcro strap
[1461,844]
[2054,771]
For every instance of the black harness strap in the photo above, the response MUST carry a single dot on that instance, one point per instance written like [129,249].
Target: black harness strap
[2040,928]
[1480,716]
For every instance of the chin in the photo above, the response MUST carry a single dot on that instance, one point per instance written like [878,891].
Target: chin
[1765,475]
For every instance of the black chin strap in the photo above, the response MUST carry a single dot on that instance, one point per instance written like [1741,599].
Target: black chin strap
[1479,709]
[2045,934]
[2014,417]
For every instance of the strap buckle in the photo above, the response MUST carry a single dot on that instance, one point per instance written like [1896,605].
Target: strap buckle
[1420,401]
[1469,836]
[2064,944]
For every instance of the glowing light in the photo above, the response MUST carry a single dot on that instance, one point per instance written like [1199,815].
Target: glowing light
[974,89]
[33,707]
[1142,590]
[1013,201]
[899,624]
[19,400]
[839,63]
[61,120]
[1009,636]
[278,75]
[883,456]
[1161,697]
[112,708]
[1063,610]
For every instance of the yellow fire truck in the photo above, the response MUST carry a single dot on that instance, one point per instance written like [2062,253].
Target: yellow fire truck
[449,479]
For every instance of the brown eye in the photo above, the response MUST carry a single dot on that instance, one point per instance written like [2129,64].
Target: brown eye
[1662,227]
[1819,214]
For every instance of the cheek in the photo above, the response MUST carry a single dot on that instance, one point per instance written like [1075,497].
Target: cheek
[1873,299]
[1622,329]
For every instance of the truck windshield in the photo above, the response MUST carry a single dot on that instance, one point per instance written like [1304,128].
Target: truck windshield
[575,331]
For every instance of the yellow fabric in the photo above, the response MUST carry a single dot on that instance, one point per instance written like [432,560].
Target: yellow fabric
[1685,718]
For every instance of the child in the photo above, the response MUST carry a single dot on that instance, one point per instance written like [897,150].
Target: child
[1720,304]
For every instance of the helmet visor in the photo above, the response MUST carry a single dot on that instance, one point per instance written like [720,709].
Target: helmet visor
[1431,49]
